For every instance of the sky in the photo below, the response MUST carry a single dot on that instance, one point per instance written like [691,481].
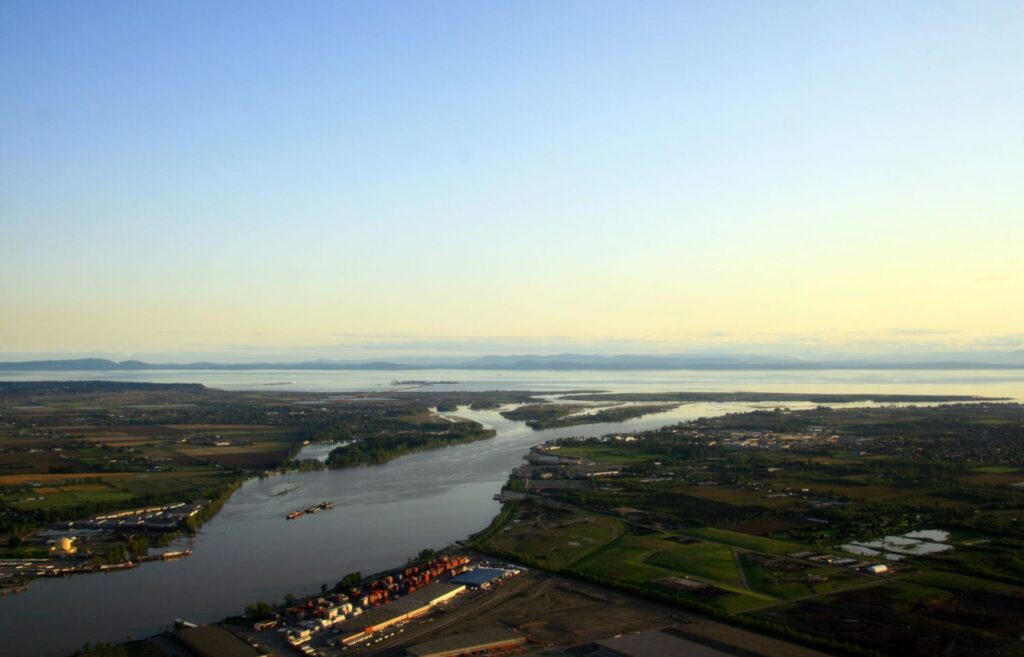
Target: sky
[246,178]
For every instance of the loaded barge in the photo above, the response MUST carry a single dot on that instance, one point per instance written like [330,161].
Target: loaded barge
[316,508]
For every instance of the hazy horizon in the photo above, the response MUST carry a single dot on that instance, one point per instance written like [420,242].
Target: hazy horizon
[435,352]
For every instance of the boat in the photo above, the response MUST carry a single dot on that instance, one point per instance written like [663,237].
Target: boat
[316,508]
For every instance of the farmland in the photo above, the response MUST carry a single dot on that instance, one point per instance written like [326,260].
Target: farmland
[72,450]
[771,519]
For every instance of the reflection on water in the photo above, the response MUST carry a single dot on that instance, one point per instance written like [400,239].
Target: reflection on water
[998,383]
[936,535]
[863,551]
[318,451]
[915,543]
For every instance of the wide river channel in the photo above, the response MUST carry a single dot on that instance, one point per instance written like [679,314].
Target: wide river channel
[384,515]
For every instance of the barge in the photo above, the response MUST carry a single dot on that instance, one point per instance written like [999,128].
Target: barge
[316,508]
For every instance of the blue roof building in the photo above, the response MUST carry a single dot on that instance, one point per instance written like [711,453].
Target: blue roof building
[478,577]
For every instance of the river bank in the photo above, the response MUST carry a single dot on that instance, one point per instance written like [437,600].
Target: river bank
[384,515]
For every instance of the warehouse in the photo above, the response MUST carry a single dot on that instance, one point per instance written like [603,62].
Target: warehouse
[434,593]
[404,609]
[215,641]
[465,644]
[480,578]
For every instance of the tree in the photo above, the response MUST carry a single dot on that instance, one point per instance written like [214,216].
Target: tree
[139,546]
[350,581]
[258,610]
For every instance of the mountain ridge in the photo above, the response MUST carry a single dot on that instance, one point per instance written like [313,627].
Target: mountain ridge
[526,362]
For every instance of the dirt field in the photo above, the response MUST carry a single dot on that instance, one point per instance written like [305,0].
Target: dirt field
[924,624]
[766,526]
[557,613]
[16,479]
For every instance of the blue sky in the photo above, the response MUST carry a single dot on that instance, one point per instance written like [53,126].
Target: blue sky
[202,176]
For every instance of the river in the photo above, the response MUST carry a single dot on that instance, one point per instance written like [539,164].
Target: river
[384,514]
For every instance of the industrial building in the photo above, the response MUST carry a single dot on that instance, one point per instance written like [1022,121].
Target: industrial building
[215,641]
[406,608]
[480,578]
[654,643]
[466,644]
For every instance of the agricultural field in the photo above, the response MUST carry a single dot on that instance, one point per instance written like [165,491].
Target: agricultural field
[913,618]
[70,450]
[733,572]
[604,454]
[757,516]
[554,539]
[746,541]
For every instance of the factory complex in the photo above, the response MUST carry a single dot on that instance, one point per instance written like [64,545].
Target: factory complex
[404,609]
[378,607]
[215,641]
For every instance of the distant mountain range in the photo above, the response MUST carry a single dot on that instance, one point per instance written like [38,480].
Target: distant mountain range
[528,363]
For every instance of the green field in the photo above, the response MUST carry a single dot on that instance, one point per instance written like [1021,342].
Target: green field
[1000,469]
[957,583]
[644,560]
[553,540]
[711,561]
[605,454]
[746,541]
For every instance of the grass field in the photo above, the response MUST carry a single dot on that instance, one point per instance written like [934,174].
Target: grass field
[994,478]
[66,490]
[899,596]
[746,541]
[769,582]
[1000,469]
[605,454]
[555,540]
[711,561]
[644,560]
[956,583]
